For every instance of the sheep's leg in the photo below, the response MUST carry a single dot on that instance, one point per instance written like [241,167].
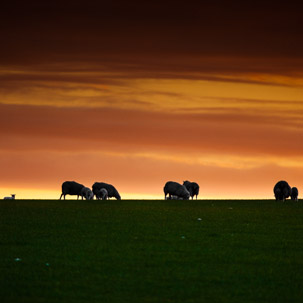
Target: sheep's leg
[61,196]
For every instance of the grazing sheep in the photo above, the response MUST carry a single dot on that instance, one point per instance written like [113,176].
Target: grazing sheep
[282,190]
[103,194]
[294,193]
[10,198]
[71,188]
[87,193]
[175,189]
[111,190]
[193,188]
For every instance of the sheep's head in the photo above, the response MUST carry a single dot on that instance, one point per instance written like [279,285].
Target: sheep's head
[186,184]
[186,193]
[89,195]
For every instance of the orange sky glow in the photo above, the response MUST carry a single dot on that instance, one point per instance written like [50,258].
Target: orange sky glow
[111,105]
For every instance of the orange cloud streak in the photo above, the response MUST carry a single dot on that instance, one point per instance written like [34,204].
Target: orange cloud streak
[235,132]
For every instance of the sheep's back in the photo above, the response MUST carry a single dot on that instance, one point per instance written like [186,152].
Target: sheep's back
[72,187]
[111,190]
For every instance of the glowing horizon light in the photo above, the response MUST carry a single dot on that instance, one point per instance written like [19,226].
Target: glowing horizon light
[39,194]
[30,193]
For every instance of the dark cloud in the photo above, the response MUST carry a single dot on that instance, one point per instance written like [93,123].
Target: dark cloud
[113,70]
[32,31]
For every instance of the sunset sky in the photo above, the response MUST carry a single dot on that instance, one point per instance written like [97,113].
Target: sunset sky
[139,93]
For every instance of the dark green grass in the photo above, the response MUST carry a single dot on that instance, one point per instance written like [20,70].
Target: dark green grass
[151,251]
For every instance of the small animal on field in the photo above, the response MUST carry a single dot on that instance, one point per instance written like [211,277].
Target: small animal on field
[172,188]
[71,188]
[282,190]
[193,188]
[10,198]
[111,190]
[294,193]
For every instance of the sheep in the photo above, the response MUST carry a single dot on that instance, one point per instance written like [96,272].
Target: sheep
[103,194]
[175,189]
[282,190]
[10,198]
[294,193]
[87,193]
[111,190]
[193,188]
[71,188]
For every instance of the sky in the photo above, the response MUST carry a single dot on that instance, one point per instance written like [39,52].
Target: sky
[139,93]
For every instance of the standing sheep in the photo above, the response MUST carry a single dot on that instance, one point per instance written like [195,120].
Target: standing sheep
[282,190]
[193,188]
[111,190]
[294,194]
[87,193]
[175,189]
[71,188]
[10,198]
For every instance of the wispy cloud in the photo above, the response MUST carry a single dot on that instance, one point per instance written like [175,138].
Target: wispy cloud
[233,131]
[123,90]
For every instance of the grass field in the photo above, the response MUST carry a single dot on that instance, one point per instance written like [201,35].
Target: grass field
[151,251]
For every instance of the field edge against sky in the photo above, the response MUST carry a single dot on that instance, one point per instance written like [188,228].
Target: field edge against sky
[137,95]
